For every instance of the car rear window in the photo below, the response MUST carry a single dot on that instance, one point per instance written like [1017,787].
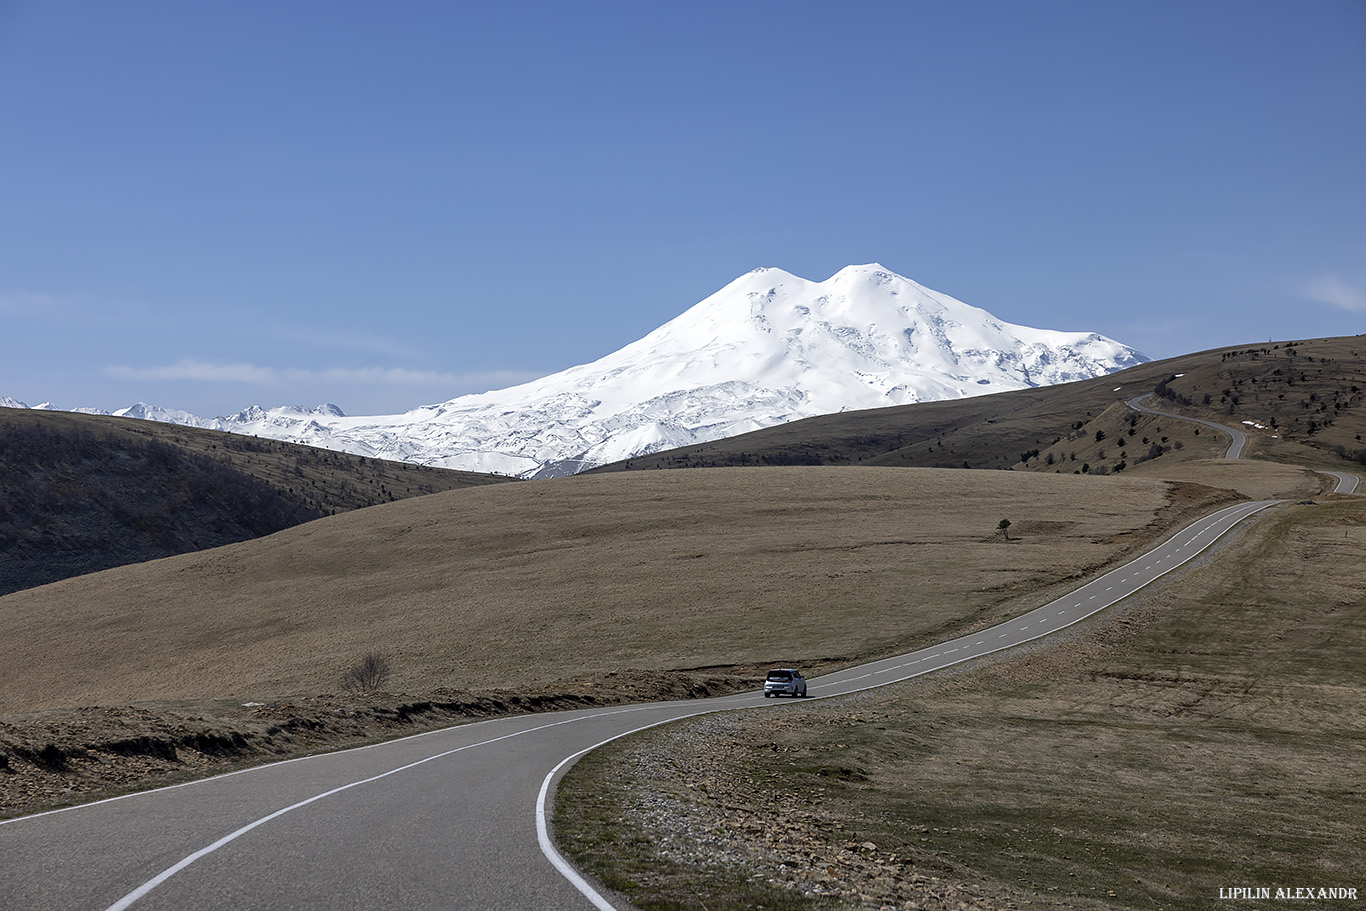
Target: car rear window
[779,675]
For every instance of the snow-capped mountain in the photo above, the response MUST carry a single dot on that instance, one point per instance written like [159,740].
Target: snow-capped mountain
[769,347]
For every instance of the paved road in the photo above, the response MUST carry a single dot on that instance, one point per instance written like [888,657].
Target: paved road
[1238,439]
[1347,483]
[453,819]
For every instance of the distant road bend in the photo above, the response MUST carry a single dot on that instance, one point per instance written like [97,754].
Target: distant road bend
[1347,482]
[1237,439]
[452,819]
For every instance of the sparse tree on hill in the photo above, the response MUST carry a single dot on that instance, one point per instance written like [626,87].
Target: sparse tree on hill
[368,676]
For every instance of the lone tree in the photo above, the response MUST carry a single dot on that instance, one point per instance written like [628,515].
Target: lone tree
[1004,527]
[368,676]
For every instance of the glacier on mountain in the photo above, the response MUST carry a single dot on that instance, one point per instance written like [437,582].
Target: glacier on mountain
[767,348]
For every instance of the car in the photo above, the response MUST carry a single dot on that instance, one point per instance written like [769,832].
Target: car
[784,681]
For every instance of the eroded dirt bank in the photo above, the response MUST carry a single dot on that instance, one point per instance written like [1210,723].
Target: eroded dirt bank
[58,758]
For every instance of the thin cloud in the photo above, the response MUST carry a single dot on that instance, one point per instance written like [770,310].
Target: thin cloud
[29,303]
[1332,290]
[201,372]
[346,340]
[254,375]
[86,308]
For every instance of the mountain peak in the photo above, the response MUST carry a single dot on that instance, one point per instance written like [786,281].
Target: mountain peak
[767,348]
[865,268]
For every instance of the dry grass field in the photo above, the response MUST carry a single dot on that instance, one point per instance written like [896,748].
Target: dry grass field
[1210,734]
[515,585]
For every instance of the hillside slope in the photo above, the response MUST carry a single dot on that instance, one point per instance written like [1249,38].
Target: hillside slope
[515,585]
[81,493]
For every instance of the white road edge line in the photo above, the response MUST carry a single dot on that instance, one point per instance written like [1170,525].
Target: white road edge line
[548,848]
[127,901]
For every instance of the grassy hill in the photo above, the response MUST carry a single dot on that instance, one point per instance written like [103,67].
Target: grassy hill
[81,493]
[545,594]
[515,585]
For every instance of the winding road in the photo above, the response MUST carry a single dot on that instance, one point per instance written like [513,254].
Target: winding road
[1237,439]
[453,819]
[1346,482]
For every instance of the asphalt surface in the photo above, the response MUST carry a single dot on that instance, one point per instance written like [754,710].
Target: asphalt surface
[1347,483]
[453,819]
[1237,439]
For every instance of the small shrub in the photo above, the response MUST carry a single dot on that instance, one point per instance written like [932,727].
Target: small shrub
[368,676]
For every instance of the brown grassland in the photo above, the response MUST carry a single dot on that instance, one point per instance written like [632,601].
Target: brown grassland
[520,584]
[1209,734]
[533,596]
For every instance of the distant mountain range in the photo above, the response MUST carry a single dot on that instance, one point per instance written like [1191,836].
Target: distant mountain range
[767,348]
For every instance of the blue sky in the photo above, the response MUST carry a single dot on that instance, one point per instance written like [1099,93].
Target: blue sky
[212,204]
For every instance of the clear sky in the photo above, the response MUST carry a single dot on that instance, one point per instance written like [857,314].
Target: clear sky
[208,204]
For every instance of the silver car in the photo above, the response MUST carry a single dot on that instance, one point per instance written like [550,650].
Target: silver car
[784,681]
